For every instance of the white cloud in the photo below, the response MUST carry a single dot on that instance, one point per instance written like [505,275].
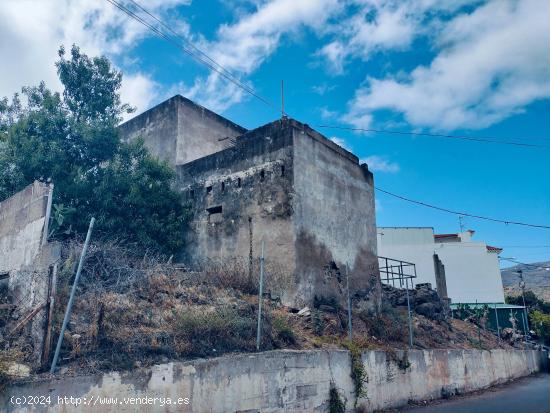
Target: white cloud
[243,46]
[32,31]
[323,88]
[380,164]
[491,63]
[340,142]
[140,90]
[382,25]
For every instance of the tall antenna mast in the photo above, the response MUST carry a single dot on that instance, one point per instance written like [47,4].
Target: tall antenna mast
[283,99]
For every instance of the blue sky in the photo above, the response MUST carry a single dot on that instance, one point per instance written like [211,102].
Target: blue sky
[477,68]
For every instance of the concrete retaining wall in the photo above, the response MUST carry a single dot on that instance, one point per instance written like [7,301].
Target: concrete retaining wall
[278,381]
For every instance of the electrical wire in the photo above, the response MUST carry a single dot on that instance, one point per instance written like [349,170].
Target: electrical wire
[503,221]
[436,135]
[212,66]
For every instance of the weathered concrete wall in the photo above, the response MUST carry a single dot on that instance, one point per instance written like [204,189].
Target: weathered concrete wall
[180,131]
[282,381]
[334,219]
[240,197]
[309,199]
[22,218]
[27,257]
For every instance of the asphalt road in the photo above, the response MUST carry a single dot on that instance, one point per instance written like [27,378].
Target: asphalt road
[528,395]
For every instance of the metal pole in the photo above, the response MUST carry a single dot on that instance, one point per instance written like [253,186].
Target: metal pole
[524,326]
[526,319]
[261,293]
[409,314]
[350,331]
[498,327]
[71,298]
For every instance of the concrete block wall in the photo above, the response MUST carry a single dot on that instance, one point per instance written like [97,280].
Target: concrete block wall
[26,256]
[279,381]
[22,218]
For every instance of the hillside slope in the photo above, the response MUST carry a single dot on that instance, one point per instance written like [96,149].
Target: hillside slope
[536,276]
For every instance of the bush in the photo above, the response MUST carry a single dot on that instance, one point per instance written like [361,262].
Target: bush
[388,325]
[218,331]
[541,323]
[283,331]
[335,402]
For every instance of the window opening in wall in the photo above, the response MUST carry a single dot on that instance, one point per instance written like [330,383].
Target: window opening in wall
[192,193]
[223,186]
[208,189]
[262,175]
[4,275]
[214,209]
[282,170]
[239,182]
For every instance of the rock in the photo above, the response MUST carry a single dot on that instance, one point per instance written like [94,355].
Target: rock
[304,312]
[18,370]
[430,310]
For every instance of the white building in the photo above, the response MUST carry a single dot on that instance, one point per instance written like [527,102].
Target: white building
[468,270]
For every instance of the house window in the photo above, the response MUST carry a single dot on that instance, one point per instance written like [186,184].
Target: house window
[223,186]
[238,182]
[215,209]
[262,175]
[209,189]
[282,170]
[192,193]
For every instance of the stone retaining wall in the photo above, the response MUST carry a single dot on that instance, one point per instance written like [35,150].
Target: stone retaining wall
[279,381]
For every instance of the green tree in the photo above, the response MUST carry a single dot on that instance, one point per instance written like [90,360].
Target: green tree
[541,324]
[71,139]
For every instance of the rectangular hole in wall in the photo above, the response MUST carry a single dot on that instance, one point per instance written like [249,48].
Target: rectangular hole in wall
[223,186]
[209,189]
[282,170]
[214,209]
[192,193]
[214,214]
[238,182]
[262,175]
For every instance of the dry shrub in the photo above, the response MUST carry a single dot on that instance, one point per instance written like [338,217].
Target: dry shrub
[221,330]
[236,273]
[390,325]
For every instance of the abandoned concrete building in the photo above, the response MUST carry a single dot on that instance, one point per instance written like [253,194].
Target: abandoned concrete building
[307,198]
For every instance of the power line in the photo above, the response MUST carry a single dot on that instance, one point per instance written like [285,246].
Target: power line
[213,65]
[526,246]
[216,67]
[532,266]
[487,139]
[462,213]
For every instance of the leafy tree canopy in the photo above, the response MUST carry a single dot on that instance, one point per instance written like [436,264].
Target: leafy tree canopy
[71,139]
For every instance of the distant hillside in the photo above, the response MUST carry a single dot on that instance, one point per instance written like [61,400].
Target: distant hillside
[537,279]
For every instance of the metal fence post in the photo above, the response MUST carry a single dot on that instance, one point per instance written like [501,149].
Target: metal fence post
[498,327]
[260,297]
[409,313]
[71,298]
[350,328]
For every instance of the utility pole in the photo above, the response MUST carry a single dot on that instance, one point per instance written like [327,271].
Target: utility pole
[350,328]
[71,297]
[260,296]
[525,318]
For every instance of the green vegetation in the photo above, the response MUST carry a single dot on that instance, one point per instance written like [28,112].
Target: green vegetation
[283,331]
[539,313]
[358,372]
[335,402]
[71,140]
[540,322]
